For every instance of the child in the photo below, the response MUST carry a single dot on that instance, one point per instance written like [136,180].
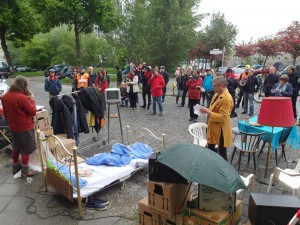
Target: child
[124,94]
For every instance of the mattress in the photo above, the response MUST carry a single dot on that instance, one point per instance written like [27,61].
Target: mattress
[101,176]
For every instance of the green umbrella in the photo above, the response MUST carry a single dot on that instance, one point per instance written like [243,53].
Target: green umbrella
[203,166]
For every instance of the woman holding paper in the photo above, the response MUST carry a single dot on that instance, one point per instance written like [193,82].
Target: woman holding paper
[194,84]
[218,123]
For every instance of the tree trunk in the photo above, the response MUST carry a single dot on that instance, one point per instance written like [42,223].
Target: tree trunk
[77,40]
[5,50]
[294,60]
[265,61]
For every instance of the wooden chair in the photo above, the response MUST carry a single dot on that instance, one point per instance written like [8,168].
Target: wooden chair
[284,136]
[249,144]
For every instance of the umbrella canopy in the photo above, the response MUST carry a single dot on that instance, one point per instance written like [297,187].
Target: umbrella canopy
[202,165]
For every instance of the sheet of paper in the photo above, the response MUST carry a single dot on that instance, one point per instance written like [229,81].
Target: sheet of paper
[197,110]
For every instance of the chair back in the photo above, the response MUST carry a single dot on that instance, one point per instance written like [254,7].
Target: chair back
[197,131]
[250,141]
[285,134]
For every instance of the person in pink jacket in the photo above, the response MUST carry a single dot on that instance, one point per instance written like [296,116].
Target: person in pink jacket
[194,84]
[157,83]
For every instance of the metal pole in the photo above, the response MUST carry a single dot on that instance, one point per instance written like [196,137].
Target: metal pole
[269,153]
[223,53]
[120,121]
[108,122]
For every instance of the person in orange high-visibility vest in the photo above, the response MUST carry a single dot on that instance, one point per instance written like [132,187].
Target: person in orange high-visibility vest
[82,79]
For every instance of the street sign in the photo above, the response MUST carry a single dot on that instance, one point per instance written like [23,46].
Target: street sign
[215,52]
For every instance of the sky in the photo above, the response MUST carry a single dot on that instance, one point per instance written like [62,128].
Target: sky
[256,18]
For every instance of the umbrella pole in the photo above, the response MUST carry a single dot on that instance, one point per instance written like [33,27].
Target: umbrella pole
[180,207]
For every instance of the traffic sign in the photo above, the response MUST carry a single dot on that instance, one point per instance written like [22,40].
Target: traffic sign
[215,52]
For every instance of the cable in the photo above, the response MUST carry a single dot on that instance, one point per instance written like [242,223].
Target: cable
[66,211]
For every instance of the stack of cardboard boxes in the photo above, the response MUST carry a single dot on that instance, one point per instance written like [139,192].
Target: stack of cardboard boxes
[162,203]
[42,122]
[166,203]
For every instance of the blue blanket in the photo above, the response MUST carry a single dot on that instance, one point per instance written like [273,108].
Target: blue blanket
[121,155]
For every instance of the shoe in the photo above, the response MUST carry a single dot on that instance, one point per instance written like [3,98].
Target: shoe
[95,205]
[244,113]
[16,168]
[98,200]
[237,107]
[161,113]
[181,106]
[148,107]
[191,119]
[143,106]
[194,120]
[30,173]
[153,113]
[233,115]
[251,114]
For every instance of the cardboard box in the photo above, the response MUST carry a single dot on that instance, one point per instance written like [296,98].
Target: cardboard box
[146,216]
[41,120]
[210,198]
[164,198]
[180,218]
[167,221]
[48,132]
[199,217]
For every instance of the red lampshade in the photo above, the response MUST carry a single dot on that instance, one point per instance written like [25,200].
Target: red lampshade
[276,112]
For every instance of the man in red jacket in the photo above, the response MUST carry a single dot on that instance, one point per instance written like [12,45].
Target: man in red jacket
[19,109]
[157,84]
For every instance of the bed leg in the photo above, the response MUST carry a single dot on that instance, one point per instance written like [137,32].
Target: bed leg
[77,181]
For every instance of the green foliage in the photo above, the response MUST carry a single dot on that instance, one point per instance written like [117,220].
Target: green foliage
[28,74]
[159,32]
[81,15]
[220,32]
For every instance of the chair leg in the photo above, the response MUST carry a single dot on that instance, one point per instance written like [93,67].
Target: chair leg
[233,154]
[276,156]
[249,158]
[262,148]
[254,161]
[270,184]
[240,156]
[283,152]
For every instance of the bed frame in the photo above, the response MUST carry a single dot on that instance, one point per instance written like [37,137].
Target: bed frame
[64,156]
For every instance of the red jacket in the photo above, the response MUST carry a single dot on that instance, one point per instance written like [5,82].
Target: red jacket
[101,84]
[157,83]
[191,85]
[19,111]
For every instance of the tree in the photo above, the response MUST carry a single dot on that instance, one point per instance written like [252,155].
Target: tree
[81,15]
[244,50]
[268,47]
[17,24]
[171,31]
[219,33]
[290,40]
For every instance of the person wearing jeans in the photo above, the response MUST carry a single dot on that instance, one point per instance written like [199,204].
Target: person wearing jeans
[157,84]
[250,88]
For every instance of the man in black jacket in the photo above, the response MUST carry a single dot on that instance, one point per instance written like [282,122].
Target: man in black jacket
[293,80]
[166,78]
[250,88]
[270,80]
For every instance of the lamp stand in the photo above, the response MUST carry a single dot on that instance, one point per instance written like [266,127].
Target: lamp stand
[269,153]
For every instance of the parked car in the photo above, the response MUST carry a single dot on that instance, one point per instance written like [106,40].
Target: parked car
[24,69]
[66,72]
[222,70]
[4,70]
[237,72]
[57,69]
[261,70]
[3,87]
[283,71]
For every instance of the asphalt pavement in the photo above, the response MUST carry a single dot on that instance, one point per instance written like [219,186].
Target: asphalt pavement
[24,203]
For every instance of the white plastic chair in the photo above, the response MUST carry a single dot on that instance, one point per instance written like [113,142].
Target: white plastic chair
[198,131]
[249,182]
[288,178]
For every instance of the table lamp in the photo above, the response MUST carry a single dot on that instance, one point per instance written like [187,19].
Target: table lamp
[275,112]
